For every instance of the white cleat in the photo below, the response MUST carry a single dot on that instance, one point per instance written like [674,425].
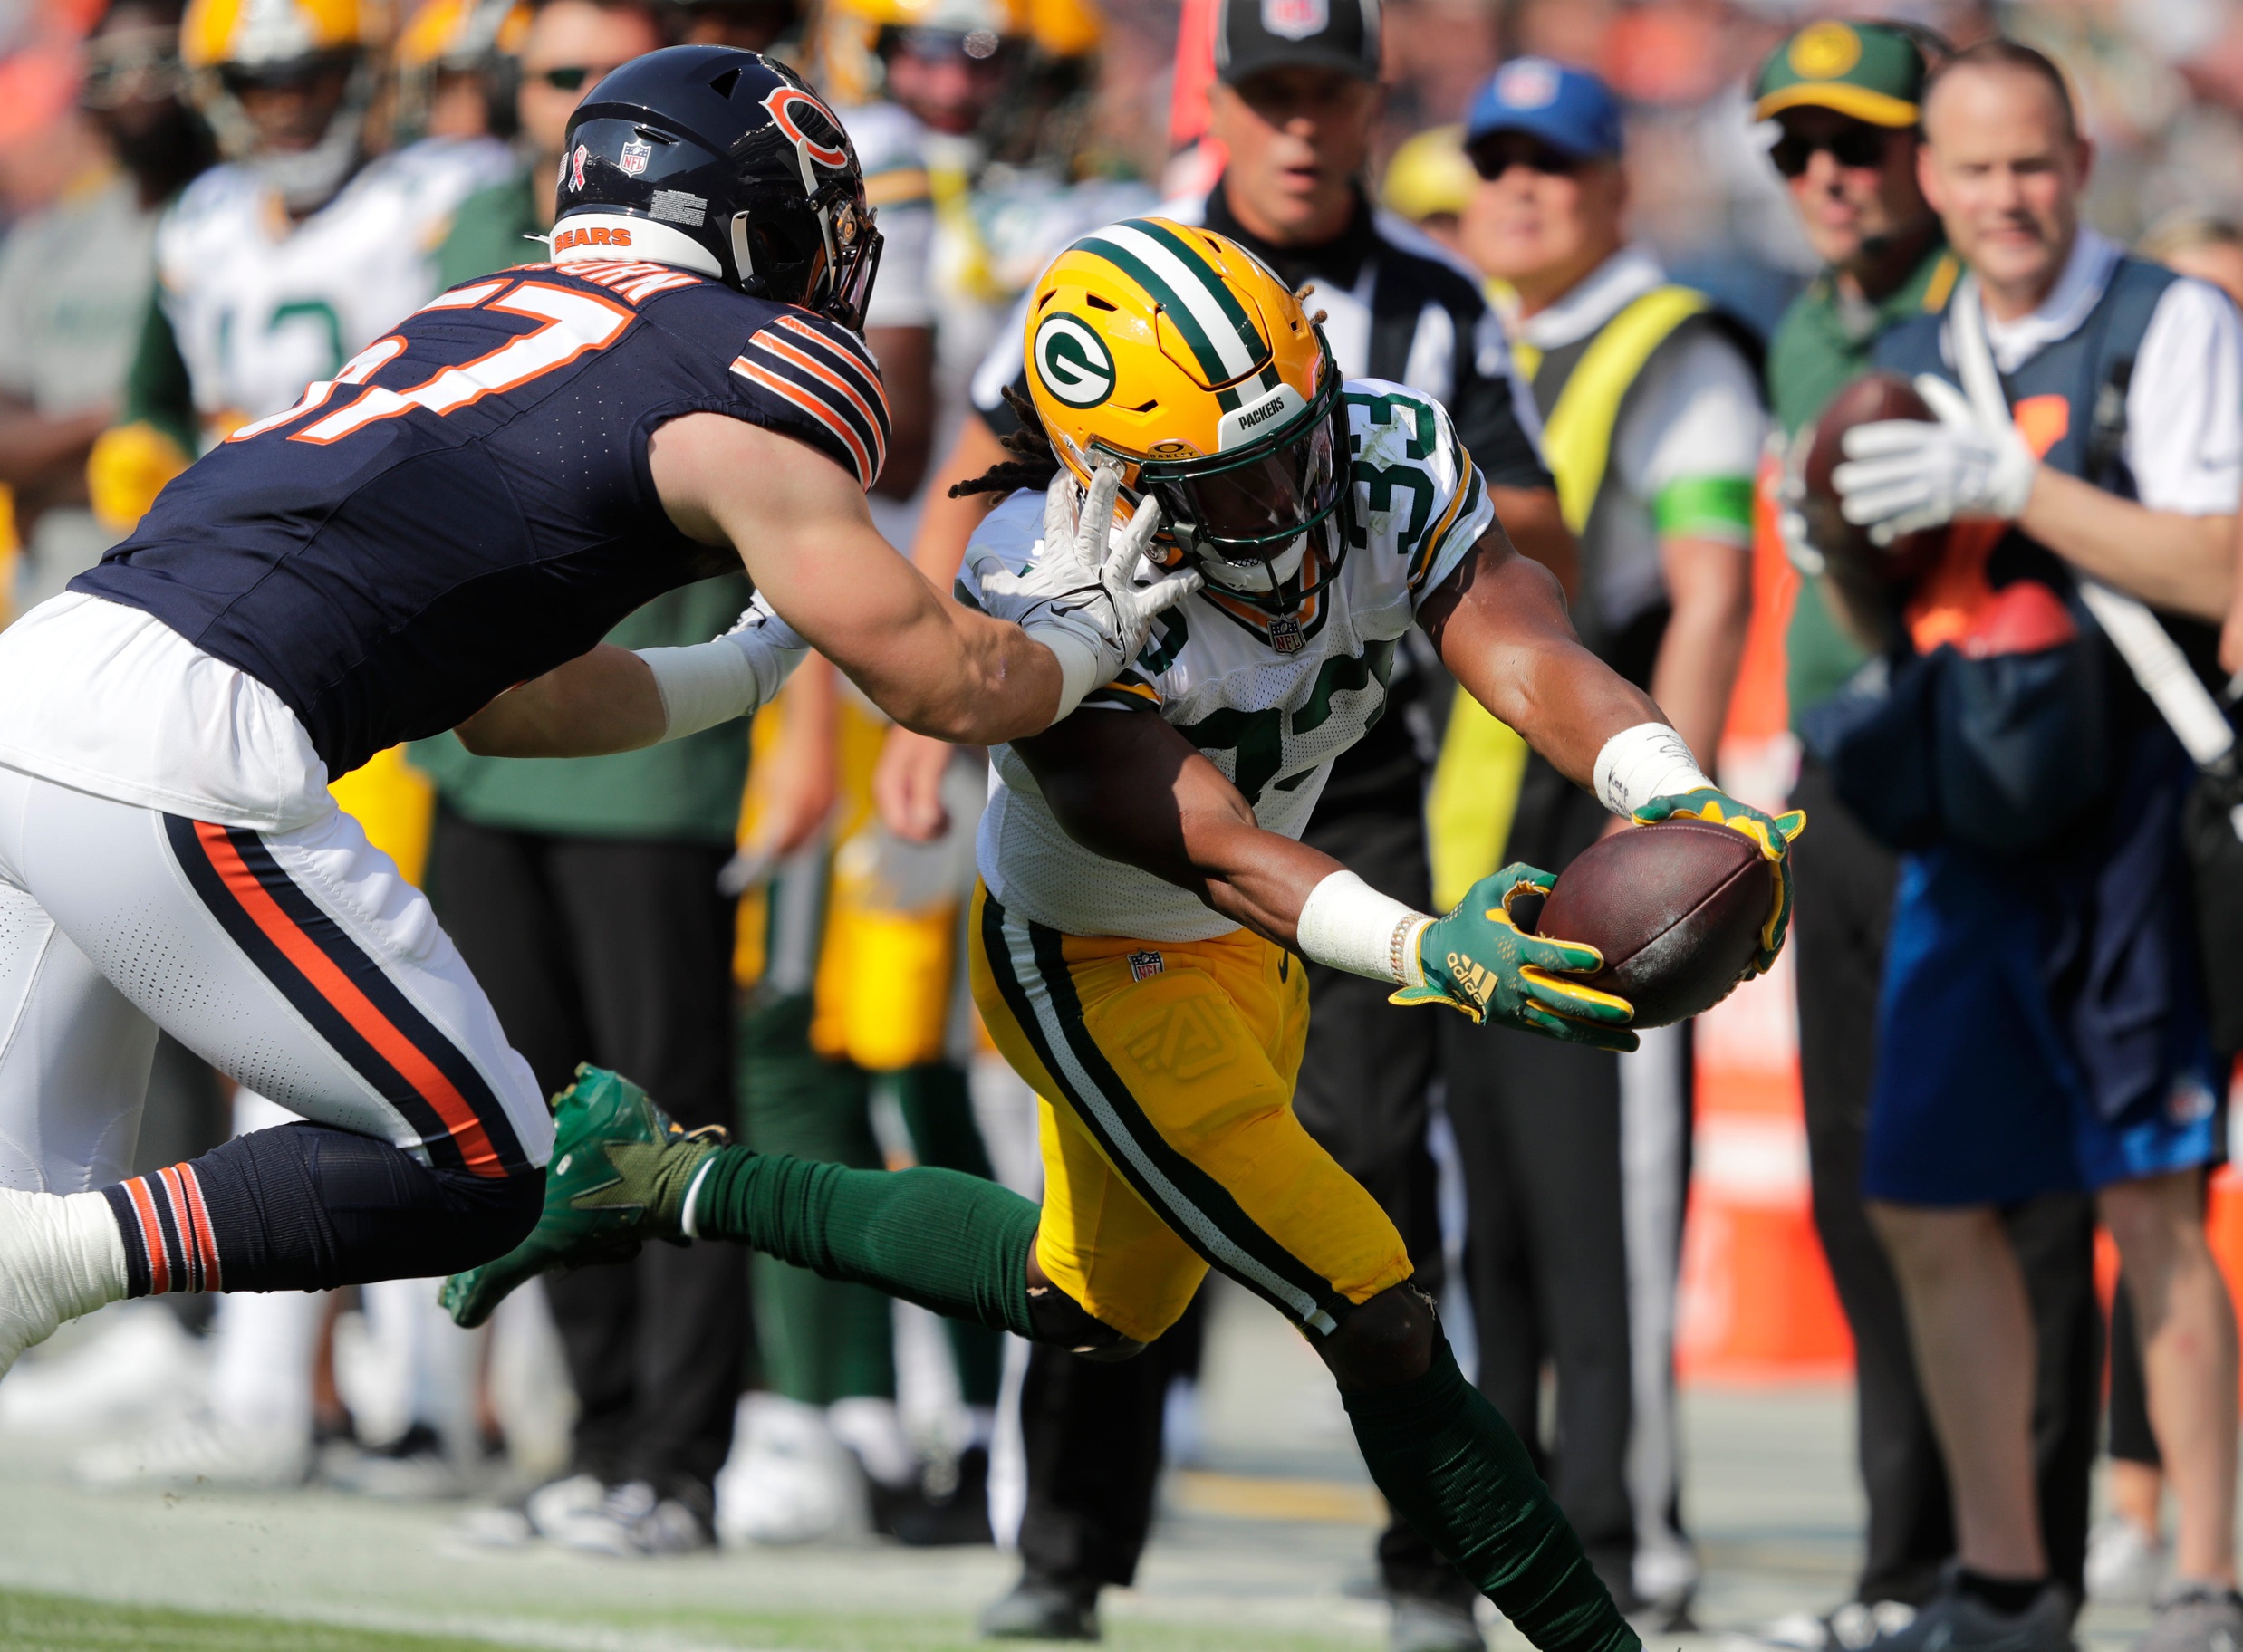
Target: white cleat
[790,1479]
[136,1365]
[60,1256]
[197,1450]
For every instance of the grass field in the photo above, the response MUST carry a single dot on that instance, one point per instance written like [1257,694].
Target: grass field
[56,1623]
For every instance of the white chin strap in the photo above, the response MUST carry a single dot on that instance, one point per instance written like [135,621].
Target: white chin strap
[1256,579]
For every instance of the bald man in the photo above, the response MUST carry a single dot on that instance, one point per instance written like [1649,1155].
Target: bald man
[2042,1026]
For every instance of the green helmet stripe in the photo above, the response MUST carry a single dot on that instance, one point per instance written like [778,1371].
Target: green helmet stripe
[1214,326]
[1196,261]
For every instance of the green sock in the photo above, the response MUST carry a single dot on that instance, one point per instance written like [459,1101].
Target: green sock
[1451,1467]
[950,1243]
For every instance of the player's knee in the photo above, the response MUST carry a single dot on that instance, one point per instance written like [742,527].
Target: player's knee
[1385,1342]
[1061,1322]
[1058,1321]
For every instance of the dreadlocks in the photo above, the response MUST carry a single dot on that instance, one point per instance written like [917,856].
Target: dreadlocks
[1035,465]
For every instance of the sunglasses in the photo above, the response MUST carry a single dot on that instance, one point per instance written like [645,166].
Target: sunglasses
[1849,146]
[1492,158]
[574,77]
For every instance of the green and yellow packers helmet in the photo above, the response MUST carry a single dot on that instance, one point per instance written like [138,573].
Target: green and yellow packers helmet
[230,46]
[849,35]
[1179,356]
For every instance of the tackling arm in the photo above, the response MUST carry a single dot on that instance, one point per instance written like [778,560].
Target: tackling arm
[801,526]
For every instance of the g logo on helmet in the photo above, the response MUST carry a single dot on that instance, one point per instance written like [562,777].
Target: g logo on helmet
[1073,361]
[818,137]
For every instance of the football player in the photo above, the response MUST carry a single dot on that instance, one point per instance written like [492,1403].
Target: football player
[276,267]
[1144,893]
[469,504]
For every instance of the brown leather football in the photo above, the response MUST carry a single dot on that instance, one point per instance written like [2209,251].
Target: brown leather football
[1676,910]
[1854,561]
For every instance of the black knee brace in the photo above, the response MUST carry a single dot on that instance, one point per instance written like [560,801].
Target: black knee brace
[308,1208]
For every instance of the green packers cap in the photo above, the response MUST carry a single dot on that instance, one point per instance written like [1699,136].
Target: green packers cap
[1870,71]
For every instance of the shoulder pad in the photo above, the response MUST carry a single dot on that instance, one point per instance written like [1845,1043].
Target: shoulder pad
[824,371]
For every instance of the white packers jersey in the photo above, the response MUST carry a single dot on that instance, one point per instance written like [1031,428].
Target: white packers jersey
[1270,702]
[261,307]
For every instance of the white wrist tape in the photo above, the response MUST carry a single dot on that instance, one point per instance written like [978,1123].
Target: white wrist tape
[713,682]
[1642,763]
[1080,669]
[1349,925]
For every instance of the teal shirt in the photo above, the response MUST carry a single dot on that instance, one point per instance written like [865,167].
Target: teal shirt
[1822,342]
[687,789]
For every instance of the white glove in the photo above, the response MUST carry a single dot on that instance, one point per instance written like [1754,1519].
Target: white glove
[1790,521]
[1079,596]
[713,682]
[1902,474]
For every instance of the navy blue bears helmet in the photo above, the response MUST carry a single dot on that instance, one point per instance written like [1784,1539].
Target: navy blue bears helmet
[725,163]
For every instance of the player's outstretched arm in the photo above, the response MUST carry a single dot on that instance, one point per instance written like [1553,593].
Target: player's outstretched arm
[1130,787]
[1499,622]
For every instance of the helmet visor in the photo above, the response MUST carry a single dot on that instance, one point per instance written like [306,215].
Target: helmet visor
[1237,504]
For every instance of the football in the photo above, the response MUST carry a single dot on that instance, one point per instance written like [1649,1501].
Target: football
[1859,566]
[1676,910]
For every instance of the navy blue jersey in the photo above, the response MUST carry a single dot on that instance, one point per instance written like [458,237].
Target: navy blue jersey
[467,503]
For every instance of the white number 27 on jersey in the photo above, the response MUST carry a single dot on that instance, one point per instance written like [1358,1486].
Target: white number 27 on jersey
[575,323]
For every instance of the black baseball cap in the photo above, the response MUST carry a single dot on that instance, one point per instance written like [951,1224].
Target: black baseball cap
[1252,35]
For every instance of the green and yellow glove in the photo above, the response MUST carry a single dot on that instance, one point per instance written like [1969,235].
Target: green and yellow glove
[1772,832]
[618,1176]
[1479,961]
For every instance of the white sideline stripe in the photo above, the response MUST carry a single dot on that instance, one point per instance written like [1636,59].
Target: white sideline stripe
[1022,951]
[1192,288]
[537,1634]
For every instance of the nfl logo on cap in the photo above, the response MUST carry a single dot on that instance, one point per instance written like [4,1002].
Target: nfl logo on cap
[1296,19]
[1528,82]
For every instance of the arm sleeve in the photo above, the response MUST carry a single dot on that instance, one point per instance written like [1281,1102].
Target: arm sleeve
[2184,408]
[157,390]
[1495,414]
[1691,441]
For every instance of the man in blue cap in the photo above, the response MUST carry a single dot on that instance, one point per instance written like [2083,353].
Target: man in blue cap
[1575,1158]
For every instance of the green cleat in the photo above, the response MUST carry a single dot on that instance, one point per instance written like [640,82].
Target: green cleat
[619,1174]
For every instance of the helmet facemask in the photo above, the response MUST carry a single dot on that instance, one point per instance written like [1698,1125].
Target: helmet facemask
[1246,518]
[305,179]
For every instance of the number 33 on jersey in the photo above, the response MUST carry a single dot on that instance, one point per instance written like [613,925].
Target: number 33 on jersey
[1269,701]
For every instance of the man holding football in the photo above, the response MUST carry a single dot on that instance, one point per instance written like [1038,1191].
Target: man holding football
[1144,893]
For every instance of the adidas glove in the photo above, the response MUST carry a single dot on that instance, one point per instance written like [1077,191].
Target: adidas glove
[1479,961]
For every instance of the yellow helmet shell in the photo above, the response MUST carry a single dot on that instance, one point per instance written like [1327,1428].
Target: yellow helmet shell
[846,35]
[1066,28]
[1153,339]
[461,33]
[1431,175]
[262,33]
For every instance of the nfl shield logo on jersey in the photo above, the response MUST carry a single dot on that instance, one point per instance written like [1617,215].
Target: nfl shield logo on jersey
[635,156]
[1296,19]
[1284,635]
[1145,966]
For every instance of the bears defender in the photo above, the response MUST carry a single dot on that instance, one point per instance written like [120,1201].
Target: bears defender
[1144,891]
[470,503]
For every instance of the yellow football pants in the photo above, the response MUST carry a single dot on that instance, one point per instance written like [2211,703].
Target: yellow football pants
[1166,1072]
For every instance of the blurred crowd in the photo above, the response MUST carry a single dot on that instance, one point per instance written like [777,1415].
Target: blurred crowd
[1637,249]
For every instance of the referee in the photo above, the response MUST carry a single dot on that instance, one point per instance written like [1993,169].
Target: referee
[1294,117]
